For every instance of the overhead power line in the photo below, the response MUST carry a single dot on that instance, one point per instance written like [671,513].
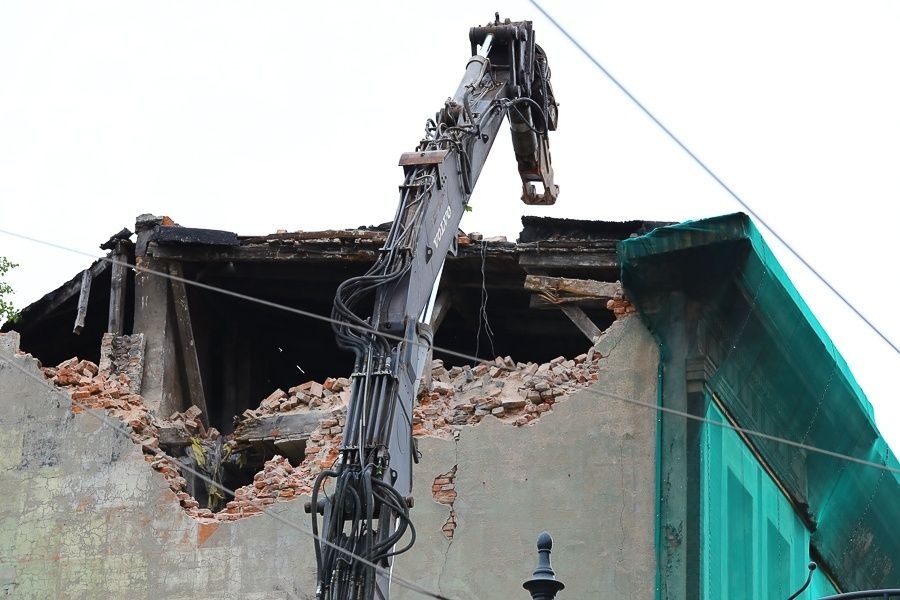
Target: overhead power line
[122,430]
[752,433]
[715,177]
[469,357]
[749,433]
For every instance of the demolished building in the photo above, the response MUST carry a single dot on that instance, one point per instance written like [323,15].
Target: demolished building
[208,352]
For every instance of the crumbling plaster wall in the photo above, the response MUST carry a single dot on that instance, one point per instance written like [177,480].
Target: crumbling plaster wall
[585,472]
[83,515]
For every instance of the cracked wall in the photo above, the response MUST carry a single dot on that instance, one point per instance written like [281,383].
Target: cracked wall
[584,471]
[84,516]
[443,491]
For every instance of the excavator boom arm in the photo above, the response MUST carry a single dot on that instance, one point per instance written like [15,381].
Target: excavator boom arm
[365,514]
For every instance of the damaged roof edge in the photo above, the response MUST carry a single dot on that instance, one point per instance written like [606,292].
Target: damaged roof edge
[572,235]
[543,228]
[51,301]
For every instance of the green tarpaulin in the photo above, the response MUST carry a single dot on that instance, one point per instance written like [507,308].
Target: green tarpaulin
[773,369]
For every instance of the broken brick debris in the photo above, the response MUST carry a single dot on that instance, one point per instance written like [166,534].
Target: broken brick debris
[277,481]
[517,393]
[92,388]
[620,305]
[189,424]
[309,395]
[513,392]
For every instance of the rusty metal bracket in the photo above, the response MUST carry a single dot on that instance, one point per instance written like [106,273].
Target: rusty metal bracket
[426,157]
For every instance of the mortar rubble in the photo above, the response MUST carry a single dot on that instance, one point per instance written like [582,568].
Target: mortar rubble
[90,388]
[458,397]
[514,392]
[620,305]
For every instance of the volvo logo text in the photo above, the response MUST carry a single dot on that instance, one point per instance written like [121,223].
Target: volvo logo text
[442,228]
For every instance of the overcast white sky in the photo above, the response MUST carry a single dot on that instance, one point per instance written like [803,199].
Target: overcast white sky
[259,116]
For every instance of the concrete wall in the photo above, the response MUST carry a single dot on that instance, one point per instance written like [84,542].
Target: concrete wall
[83,515]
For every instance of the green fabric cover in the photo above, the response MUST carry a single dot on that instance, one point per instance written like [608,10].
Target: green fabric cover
[776,371]
[756,546]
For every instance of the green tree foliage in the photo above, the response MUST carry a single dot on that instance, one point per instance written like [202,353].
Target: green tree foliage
[7,312]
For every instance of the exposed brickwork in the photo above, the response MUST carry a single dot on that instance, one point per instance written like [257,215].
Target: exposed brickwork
[123,354]
[277,481]
[516,393]
[100,523]
[89,388]
[620,305]
[323,444]
[309,395]
[443,491]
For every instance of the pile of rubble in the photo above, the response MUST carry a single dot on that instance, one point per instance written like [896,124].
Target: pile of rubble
[189,424]
[517,393]
[90,388]
[310,395]
[323,444]
[277,481]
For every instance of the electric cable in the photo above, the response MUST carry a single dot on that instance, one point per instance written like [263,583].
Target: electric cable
[597,393]
[476,359]
[716,178]
[656,407]
[745,431]
[482,311]
[354,483]
[122,429]
[467,357]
